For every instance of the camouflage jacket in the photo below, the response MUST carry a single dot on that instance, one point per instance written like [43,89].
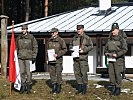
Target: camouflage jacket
[27,46]
[59,45]
[116,44]
[86,45]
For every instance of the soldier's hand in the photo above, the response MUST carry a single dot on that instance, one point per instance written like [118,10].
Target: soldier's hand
[114,55]
[80,50]
[47,62]
[55,55]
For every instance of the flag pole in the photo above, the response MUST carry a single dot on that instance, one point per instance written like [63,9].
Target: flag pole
[11,82]
[10,88]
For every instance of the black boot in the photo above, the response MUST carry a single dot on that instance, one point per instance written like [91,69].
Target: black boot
[113,88]
[117,91]
[28,88]
[84,88]
[54,88]
[58,88]
[79,88]
[22,89]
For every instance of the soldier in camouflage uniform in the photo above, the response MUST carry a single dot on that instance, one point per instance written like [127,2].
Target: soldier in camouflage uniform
[116,47]
[55,67]
[123,34]
[81,63]
[27,49]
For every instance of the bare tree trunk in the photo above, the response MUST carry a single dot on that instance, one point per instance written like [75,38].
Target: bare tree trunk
[46,8]
[27,10]
[2,6]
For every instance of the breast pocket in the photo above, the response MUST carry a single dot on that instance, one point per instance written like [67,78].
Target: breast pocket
[54,45]
[118,45]
[57,45]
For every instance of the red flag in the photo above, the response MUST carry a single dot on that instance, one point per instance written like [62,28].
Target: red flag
[14,71]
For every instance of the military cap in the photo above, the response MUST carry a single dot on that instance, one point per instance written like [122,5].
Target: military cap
[80,27]
[24,26]
[114,26]
[54,30]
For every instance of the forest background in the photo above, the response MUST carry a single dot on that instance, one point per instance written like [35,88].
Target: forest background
[25,10]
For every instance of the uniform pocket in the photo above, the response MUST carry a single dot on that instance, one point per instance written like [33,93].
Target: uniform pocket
[121,64]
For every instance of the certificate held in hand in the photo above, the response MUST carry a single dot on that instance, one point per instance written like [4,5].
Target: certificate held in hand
[75,52]
[51,53]
[32,66]
[111,59]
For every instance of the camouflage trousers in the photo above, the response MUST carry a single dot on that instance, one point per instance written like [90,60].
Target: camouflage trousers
[25,71]
[80,70]
[115,70]
[55,71]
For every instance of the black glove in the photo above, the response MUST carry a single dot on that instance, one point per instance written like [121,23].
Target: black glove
[109,54]
[33,60]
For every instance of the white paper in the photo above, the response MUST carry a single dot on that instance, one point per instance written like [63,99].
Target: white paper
[111,59]
[32,66]
[51,53]
[129,61]
[67,64]
[75,52]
